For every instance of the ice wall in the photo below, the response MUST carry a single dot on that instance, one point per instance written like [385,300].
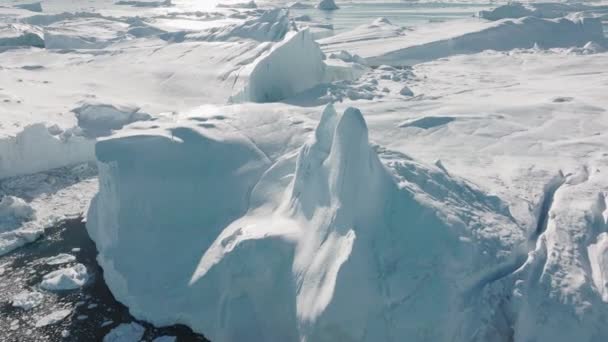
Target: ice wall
[36,149]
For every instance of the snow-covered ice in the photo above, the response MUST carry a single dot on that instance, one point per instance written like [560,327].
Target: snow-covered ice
[67,278]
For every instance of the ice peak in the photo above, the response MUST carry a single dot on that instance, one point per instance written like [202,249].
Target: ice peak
[324,133]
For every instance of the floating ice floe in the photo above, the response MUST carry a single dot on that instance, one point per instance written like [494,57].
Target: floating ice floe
[52,318]
[27,299]
[59,259]
[68,278]
[126,332]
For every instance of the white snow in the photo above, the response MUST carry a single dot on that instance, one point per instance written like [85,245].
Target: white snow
[125,332]
[52,318]
[27,299]
[68,278]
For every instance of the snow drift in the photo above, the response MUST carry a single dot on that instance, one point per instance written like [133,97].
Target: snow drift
[502,35]
[297,262]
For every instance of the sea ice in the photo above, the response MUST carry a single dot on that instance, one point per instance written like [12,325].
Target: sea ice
[59,259]
[126,332]
[68,278]
[52,318]
[27,300]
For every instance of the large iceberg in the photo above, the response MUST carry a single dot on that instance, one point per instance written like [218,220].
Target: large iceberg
[253,259]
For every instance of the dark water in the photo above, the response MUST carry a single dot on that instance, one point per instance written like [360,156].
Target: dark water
[94,310]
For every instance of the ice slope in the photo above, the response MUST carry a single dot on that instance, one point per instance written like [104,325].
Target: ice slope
[469,36]
[345,232]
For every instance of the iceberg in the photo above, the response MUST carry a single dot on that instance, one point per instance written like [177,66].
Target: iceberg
[347,231]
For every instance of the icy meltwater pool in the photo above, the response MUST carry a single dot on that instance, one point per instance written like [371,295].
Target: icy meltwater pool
[405,14]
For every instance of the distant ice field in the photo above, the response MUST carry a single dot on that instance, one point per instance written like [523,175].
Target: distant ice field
[406,14]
